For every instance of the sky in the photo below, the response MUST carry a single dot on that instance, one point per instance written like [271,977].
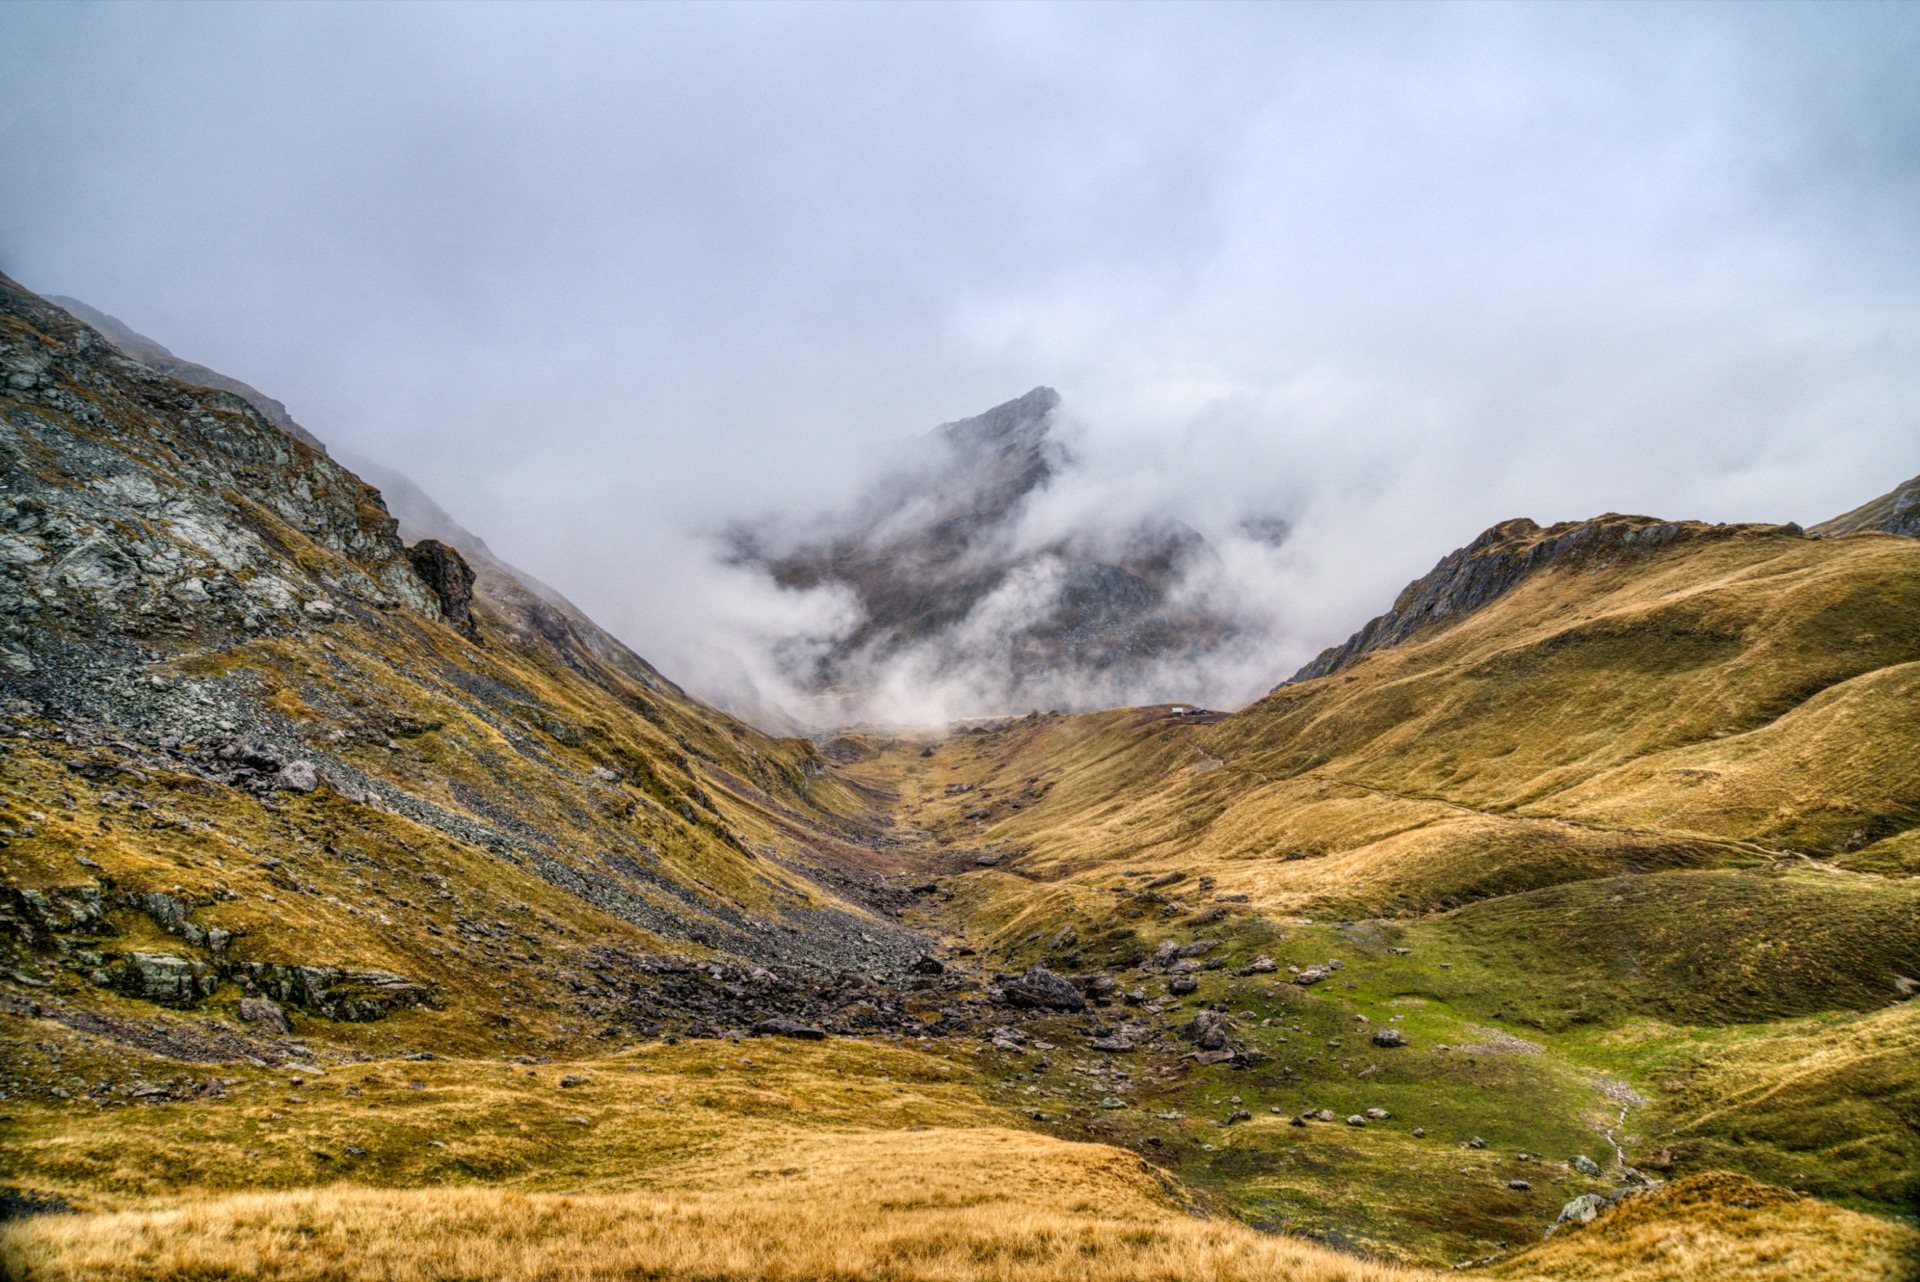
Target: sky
[603,278]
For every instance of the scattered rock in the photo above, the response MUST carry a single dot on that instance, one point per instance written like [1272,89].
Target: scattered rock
[1182,985]
[1356,1120]
[1310,976]
[1239,1115]
[1476,1142]
[1378,1115]
[1389,1037]
[1210,1030]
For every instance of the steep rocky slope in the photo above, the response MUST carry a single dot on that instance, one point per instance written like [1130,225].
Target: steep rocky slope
[259,749]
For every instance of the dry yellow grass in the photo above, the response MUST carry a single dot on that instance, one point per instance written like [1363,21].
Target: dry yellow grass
[1719,1226]
[938,1206]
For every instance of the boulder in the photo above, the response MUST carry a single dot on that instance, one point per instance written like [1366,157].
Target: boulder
[927,964]
[333,992]
[1182,985]
[297,776]
[1389,1037]
[1587,1166]
[1356,1120]
[1311,975]
[267,1014]
[1041,989]
[1581,1210]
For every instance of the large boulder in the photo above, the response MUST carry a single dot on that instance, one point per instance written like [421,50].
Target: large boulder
[1041,989]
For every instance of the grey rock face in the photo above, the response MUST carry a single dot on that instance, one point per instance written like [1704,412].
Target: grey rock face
[353,996]
[190,496]
[163,978]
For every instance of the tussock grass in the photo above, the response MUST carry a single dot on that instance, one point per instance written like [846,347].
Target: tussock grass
[937,1206]
[1721,1225]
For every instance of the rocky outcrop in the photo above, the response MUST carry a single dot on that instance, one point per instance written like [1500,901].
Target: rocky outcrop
[445,571]
[137,506]
[1896,512]
[1498,561]
[355,996]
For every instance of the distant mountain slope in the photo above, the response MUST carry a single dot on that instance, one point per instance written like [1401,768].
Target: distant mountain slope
[1896,512]
[948,586]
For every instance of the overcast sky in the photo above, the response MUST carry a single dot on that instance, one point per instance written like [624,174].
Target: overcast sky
[601,276]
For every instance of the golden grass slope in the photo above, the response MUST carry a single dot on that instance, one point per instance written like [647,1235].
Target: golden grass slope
[1717,701]
[706,1161]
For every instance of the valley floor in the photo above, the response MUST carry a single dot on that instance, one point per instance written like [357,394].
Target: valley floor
[1022,1142]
